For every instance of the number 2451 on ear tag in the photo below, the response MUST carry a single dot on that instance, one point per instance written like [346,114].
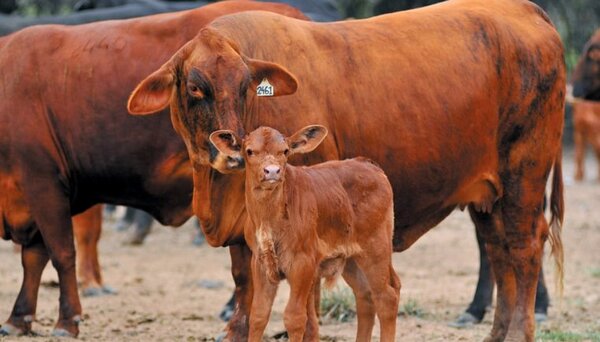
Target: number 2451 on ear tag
[265,88]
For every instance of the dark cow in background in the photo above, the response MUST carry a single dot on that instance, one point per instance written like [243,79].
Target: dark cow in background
[67,143]
[461,103]
[96,10]
[586,105]
[586,76]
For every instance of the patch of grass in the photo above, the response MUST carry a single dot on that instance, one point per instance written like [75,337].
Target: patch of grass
[412,308]
[338,304]
[595,272]
[567,336]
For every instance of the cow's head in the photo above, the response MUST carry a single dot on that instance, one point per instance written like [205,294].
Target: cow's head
[586,77]
[207,82]
[266,151]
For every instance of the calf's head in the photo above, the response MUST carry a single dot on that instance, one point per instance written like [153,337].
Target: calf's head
[206,84]
[266,151]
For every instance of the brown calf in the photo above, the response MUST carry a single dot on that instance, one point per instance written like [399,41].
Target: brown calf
[586,120]
[312,222]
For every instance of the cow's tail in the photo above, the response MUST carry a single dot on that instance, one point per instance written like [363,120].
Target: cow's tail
[557,210]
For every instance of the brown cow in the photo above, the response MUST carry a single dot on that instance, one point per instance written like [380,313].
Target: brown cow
[87,228]
[320,220]
[586,127]
[67,143]
[586,76]
[461,103]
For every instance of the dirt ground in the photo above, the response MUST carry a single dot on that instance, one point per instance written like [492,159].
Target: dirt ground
[162,296]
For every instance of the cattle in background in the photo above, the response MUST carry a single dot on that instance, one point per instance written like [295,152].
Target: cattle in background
[586,76]
[315,222]
[67,143]
[586,126]
[461,103]
[316,10]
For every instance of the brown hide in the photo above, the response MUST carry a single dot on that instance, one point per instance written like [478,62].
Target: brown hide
[586,125]
[461,103]
[66,141]
[586,76]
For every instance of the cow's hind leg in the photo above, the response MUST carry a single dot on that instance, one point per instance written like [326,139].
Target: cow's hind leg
[490,228]
[87,228]
[34,258]
[365,307]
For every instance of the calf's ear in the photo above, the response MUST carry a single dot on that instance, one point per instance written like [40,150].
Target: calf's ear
[306,139]
[283,82]
[152,94]
[226,142]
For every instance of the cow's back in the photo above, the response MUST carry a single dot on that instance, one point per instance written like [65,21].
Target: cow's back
[413,91]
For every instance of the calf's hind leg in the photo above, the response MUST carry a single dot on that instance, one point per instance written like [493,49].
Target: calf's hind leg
[385,288]
[365,307]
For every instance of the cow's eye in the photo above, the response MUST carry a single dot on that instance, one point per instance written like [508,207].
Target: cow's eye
[195,91]
[249,152]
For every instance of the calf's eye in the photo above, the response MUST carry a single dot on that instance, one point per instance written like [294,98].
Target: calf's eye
[249,152]
[286,152]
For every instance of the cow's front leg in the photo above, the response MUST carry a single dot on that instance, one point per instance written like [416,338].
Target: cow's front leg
[34,258]
[237,328]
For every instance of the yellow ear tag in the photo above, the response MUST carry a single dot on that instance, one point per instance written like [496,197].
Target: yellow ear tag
[265,88]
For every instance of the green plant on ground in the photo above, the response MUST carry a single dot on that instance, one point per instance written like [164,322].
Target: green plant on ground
[338,304]
[566,336]
[411,308]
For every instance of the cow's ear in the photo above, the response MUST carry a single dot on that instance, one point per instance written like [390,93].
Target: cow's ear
[226,142]
[282,81]
[152,94]
[306,139]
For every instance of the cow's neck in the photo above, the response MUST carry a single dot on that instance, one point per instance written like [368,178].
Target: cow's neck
[219,205]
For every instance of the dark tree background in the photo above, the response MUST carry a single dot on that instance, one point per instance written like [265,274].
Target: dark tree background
[576,20]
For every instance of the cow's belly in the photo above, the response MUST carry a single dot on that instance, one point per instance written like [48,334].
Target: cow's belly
[16,222]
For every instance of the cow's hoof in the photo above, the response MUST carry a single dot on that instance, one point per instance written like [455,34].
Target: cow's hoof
[136,239]
[465,320]
[67,328]
[220,337]
[540,317]
[109,290]
[59,332]
[226,314]
[8,329]
[98,291]
[93,291]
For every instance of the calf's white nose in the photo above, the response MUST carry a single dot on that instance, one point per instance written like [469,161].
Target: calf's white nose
[272,172]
